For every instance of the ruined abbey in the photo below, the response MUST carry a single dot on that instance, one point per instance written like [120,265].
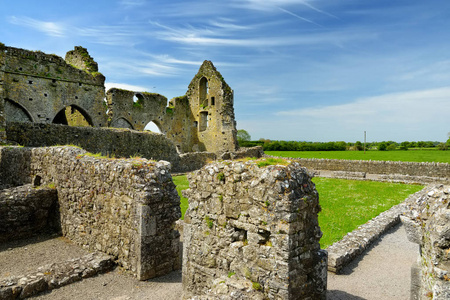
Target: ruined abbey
[41,88]
[105,184]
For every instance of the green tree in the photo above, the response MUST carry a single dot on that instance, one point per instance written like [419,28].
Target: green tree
[404,145]
[382,146]
[243,135]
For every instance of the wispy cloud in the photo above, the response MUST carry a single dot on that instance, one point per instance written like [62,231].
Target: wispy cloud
[400,108]
[297,16]
[49,28]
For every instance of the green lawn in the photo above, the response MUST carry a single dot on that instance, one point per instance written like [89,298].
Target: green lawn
[398,155]
[346,204]
[182,184]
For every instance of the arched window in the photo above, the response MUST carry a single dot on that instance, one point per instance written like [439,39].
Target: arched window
[203,93]
[121,123]
[153,127]
[14,112]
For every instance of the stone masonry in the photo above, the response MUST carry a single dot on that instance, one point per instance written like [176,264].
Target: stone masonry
[126,208]
[427,223]
[252,233]
[40,88]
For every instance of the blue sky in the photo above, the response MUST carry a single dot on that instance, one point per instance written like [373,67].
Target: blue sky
[300,69]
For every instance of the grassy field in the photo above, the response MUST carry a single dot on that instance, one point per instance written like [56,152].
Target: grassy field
[346,204]
[398,155]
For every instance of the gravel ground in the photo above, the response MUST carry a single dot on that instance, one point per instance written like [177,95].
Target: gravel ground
[383,272]
[25,256]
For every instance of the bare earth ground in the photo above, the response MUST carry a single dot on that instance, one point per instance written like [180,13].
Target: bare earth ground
[383,272]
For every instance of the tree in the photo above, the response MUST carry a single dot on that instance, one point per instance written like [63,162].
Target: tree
[243,135]
[382,146]
[404,145]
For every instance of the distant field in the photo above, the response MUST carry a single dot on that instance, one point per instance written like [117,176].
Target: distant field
[346,204]
[398,155]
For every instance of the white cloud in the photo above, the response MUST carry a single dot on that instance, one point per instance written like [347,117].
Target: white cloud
[409,114]
[49,28]
[125,86]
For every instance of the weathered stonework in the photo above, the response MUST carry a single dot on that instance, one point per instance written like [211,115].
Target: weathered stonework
[14,166]
[427,223]
[37,87]
[107,141]
[252,233]
[202,120]
[26,211]
[123,207]
[125,113]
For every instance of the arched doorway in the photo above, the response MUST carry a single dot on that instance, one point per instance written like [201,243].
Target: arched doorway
[73,115]
[14,112]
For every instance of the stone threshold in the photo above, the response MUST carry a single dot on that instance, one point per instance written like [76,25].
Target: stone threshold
[55,275]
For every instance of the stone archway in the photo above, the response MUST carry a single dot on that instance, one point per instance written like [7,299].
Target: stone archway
[153,126]
[121,123]
[73,115]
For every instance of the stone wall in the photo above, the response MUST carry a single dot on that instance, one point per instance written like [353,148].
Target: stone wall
[2,101]
[424,169]
[252,233]
[14,166]
[26,211]
[427,223]
[37,87]
[125,113]
[194,161]
[107,141]
[123,207]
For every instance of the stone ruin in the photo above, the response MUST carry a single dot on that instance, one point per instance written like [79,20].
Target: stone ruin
[252,233]
[427,224]
[41,88]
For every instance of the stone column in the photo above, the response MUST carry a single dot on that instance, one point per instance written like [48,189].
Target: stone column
[251,232]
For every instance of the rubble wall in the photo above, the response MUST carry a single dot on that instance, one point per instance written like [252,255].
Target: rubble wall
[123,207]
[26,211]
[252,233]
[427,223]
[426,169]
[107,141]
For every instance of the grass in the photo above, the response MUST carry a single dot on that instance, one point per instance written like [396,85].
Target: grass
[346,204]
[182,184]
[398,155]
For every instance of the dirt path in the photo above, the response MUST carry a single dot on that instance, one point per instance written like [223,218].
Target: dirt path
[383,272]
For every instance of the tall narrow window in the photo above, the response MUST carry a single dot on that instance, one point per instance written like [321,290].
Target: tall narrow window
[203,92]
[213,101]
[203,121]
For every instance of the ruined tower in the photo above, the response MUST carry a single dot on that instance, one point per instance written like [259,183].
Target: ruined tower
[211,102]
